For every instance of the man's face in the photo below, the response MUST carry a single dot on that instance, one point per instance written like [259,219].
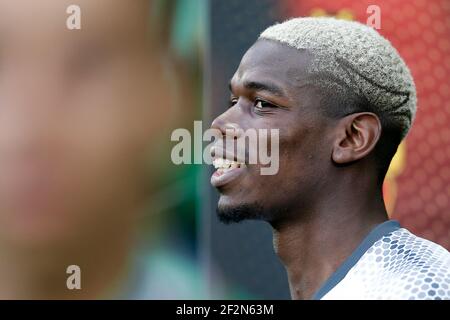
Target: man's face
[270,91]
[79,110]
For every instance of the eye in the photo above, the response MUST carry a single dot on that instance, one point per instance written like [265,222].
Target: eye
[261,104]
[89,60]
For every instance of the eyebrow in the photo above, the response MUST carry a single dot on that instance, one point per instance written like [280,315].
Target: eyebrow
[261,86]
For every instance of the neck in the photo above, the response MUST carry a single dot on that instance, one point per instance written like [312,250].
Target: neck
[313,246]
[40,273]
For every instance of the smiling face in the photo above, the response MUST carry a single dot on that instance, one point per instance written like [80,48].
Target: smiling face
[270,90]
[79,110]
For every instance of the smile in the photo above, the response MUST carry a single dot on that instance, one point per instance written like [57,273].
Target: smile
[226,171]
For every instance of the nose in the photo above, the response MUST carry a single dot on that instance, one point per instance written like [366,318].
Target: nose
[224,124]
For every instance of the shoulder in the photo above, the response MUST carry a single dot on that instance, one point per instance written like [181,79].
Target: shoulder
[411,267]
[163,274]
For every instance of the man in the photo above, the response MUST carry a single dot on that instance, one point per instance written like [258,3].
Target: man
[81,113]
[342,99]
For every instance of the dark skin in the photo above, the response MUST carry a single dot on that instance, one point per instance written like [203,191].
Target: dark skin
[325,198]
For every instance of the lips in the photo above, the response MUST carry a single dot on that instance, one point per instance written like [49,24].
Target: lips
[226,173]
[227,170]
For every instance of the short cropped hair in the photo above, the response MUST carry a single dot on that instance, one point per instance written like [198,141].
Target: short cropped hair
[354,56]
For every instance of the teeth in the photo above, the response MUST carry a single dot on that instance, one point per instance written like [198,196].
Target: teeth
[218,162]
[225,164]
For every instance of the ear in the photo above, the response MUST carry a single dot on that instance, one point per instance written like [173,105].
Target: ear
[356,136]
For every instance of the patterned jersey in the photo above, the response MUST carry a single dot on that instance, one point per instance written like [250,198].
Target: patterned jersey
[391,263]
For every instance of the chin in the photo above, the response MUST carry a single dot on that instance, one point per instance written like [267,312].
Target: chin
[228,212]
[231,211]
